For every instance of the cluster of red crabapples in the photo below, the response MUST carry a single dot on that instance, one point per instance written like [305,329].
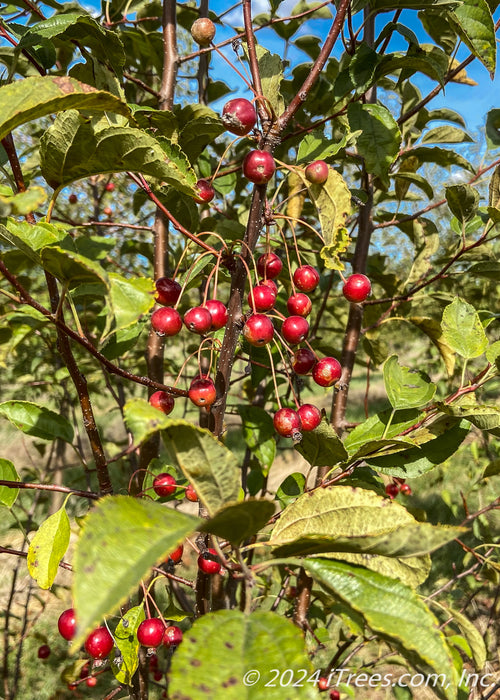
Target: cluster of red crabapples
[240,117]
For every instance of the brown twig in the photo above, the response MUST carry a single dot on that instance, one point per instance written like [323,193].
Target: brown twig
[48,487]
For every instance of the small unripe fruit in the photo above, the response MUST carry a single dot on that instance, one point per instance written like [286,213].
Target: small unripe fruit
[258,167]
[162,401]
[205,192]
[166,321]
[167,291]
[269,265]
[299,305]
[110,186]
[218,312]
[263,298]
[287,422]
[99,643]
[150,632]
[303,361]
[208,563]
[306,278]
[164,484]
[43,651]
[295,329]
[327,371]
[203,31]
[67,624]
[107,211]
[357,288]
[172,636]
[317,172]
[310,416]
[202,391]
[239,116]
[258,330]
[73,198]
[198,320]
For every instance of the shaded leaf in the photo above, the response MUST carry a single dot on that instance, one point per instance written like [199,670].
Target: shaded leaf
[446,134]
[8,472]
[441,156]
[290,489]
[120,540]
[439,441]
[130,299]
[321,447]
[22,203]
[48,547]
[33,98]
[239,521]
[37,420]
[226,645]
[463,201]
[433,330]
[259,433]
[71,268]
[394,612]
[374,427]
[206,463]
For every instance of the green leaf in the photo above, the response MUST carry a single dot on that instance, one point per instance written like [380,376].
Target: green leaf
[22,203]
[322,447]
[82,30]
[492,469]
[483,417]
[440,440]
[493,139]
[346,519]
[206,463]
[290,489]
[125,636]
[33,98]
[271,72]
[240,521]
[72,149]
[316,146]
[200,126]
[259,433]
[37,421]
[143,420]
[471,634]
[129,299]
[48,547]
[463,201]
[406,388]
[415,179]
[374,427]
[441,156]
[493,352]
[71,268]
[227,644]
[433,331]
[380,137]
[8,473]
[473,21]
[394,612]
[463,330]
[446,134]
[31,238]
[413,540]
[121,539]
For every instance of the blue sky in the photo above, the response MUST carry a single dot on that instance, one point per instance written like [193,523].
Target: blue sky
[472,102]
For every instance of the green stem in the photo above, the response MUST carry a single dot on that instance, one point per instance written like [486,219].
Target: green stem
[462,381]
[388,425]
